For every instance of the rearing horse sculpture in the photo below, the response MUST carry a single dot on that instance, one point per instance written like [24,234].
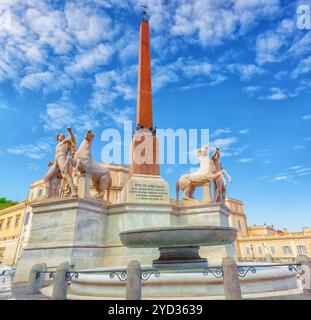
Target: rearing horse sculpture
[214,173]
[84,164]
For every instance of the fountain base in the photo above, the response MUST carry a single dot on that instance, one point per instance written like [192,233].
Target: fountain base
[181,257]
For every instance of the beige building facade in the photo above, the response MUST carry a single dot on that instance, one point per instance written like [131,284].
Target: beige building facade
[255,242]
[11,225]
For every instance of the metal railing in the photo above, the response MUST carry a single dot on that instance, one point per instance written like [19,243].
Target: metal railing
[147,273]
[120,274]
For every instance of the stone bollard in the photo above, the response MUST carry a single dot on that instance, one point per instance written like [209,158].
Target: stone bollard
[268,258]
[60,286]
[305,277]
[232,286]
[133,282]
[5,286]
[36,279]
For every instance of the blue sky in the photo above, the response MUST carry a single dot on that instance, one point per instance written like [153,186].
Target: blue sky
[239,68]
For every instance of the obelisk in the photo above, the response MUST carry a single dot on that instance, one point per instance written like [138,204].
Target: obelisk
[144,150]
[145,185]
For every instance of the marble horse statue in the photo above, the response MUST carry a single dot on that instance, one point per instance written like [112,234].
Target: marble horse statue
[85,165]
[209,172]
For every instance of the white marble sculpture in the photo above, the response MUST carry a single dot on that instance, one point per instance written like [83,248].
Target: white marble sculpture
[220,183]
[61,168]
[210,171]
[88,169]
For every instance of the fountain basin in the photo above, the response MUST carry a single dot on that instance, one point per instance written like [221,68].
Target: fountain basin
[178,245]
[191,284]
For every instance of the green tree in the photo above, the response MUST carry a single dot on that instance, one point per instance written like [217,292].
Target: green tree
[5,203]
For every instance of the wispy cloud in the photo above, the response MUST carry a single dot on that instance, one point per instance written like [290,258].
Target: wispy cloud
[32,151]
[282,178]
[245,71]
[299,147]
[218,132]
[245,160]
[275,94]
[244,131]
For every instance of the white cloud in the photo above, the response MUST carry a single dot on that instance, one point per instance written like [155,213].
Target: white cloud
[212,22]
[295,167]
[111,85]
[281,178]
[91,59]
[306,117]
[186,68]
[4,106]
[224,142]
[244,131]
[270,43]
[299,147]
[303,67]
[245,160]
[120,115]
[246,71]
[36,151]
[88,27]
[218,132]
[276,94]
[63,113]
[251,90]
[34,81]
[302,46]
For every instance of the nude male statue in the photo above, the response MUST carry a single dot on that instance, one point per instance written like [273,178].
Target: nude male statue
[61,164]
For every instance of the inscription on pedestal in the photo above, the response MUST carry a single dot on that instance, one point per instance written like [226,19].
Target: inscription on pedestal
[148,191]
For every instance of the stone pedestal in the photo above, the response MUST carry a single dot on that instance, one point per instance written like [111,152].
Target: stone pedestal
[129,216]
[181,258]
[209,215]
[84,182]
[145,189]
[64,230]
[206,190]
[86,232]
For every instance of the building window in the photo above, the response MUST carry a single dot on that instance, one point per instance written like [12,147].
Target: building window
[17,218]
[273,251]
[247,251]
[8,223]
[259,249]
[39,193]
[1,224]
[27,218]
[301,249]
[239,225]
[287,250]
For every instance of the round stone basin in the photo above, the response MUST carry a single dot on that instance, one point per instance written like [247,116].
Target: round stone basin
[178,236]
[178,245]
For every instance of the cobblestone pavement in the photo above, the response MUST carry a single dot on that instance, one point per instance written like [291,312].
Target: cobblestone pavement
[289,297]
[19,292]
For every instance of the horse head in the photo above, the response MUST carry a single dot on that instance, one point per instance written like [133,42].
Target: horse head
[89,136]
[85,146]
